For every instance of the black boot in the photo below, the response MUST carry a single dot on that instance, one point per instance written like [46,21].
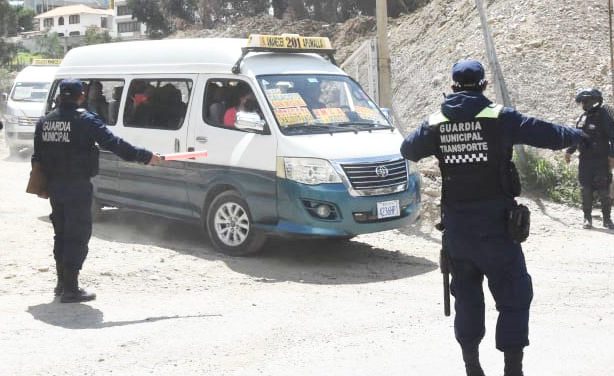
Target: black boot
[59,286]
[588,223]
[513,363]
[472,362]
[72,293]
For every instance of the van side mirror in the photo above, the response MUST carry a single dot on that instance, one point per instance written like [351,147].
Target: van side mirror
[250,122]
[4,97]
[388,114]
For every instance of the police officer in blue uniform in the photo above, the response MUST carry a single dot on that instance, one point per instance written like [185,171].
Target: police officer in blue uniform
[64,146]
[594,169]
[472,138]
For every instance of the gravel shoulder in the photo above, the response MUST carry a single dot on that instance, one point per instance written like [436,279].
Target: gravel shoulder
[170,305]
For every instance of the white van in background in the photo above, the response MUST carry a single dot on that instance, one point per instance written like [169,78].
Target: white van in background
[295,146]
[25,103]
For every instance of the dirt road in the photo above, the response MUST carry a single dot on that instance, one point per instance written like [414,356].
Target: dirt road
[170,305]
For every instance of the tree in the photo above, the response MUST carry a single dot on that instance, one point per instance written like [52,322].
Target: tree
[93,35]
[50,46]
[25,18]
[151,14]
[7,28]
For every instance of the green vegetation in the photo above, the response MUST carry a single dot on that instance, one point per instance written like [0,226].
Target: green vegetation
[552,178]
[94,35]
[50,46]
[26,57]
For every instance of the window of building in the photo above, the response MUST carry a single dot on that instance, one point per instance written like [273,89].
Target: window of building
[61,21]
[224,98]
[103,22]
[123,10]
[127,27]
[157,104]
[74,19]
[48,22]
[74,33]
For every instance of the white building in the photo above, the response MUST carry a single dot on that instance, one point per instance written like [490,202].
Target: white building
[42,6]
[124,26]
[74,20]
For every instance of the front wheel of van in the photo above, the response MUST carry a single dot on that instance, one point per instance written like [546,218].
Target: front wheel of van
[230,226]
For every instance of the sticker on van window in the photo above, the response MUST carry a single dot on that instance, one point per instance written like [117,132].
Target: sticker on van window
[331,115]
[291,116]
[287,100]
[367,113]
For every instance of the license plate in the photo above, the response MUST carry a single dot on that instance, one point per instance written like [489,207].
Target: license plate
[388,209]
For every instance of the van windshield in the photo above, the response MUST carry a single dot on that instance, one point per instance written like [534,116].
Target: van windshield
[30,91]
[306,104]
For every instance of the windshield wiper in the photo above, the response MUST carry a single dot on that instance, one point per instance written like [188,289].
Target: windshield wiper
[363,125]
[307,128]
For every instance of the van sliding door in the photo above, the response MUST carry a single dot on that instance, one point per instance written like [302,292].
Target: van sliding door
[155,117]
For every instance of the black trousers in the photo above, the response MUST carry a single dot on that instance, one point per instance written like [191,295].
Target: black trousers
[595,176]
[71,215]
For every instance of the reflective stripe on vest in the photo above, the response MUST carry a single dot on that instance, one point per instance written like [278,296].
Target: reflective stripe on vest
[491,112]
[438,118]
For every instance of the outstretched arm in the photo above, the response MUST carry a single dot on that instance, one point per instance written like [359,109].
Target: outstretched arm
[420,143]
[108,141]
[531,131]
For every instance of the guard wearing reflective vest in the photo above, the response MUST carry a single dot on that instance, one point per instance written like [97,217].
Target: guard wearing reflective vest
[594,171]
[472,138]
[64,146]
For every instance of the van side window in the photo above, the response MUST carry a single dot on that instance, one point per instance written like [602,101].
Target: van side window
[224,98]
[101,97]
[157,104]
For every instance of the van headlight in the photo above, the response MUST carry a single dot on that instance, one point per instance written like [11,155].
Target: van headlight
[310,171]
[11,119]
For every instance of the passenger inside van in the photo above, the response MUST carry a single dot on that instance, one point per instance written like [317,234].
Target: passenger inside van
[116,96]
[96,101]
[243,93]
[167,107]
[218,95]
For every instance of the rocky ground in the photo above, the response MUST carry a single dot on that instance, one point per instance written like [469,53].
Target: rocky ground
[168,304]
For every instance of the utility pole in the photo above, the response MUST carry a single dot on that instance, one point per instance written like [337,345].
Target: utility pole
[503,95]
[610,10]
[383,56]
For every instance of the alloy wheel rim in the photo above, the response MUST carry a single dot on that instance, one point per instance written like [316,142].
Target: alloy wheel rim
[231,224]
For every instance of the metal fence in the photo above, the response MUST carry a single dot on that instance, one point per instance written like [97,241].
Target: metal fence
[362,66]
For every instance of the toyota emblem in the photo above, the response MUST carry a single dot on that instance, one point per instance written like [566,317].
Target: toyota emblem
[381,171]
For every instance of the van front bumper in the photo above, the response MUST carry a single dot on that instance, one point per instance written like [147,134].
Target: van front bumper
[349,215]
[18,136]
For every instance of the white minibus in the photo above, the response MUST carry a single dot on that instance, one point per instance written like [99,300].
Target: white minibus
[295,146]
[26,104]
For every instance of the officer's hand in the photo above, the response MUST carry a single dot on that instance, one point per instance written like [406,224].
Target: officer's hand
[155,160]
[567,158]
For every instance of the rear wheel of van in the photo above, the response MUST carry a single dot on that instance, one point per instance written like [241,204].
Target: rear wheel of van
[230,227]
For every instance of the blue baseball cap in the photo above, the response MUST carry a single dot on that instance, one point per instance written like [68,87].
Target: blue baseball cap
[468,73]
[71,88]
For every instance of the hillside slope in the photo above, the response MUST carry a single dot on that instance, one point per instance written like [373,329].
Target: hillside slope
[547,50]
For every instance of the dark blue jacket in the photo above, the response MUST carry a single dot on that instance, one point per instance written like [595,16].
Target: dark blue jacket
[518,129]
[65,144]
[486,217]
